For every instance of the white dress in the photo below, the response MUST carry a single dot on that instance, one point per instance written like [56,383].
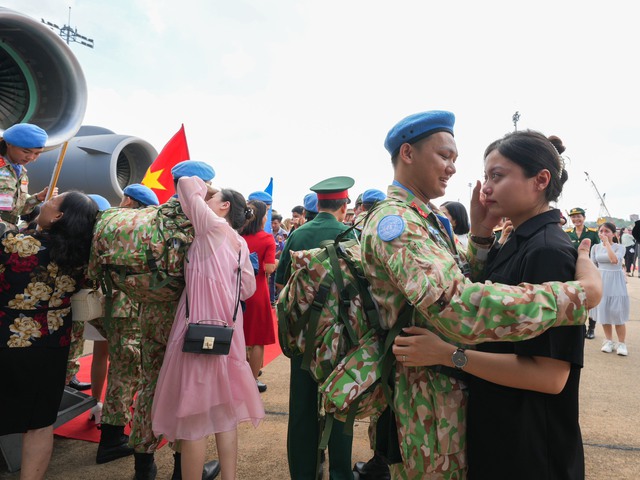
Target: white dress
[614,307]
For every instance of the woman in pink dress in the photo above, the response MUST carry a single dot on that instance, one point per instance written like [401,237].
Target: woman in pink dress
[197,394]
[258,325]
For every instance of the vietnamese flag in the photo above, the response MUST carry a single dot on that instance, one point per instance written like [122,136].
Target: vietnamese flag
[158,177]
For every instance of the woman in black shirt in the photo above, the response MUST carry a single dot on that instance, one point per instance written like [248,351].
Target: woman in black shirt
[523,396]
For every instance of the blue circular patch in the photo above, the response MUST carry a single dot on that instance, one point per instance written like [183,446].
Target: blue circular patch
[390,227]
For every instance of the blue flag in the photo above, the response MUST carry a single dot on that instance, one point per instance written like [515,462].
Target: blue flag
[269,190]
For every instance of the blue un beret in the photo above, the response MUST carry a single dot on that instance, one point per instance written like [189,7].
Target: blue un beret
[372,196]
[141,194]
[418,126]
[193,168]
[311,202]
[262,196]
[25,135]
[102,202]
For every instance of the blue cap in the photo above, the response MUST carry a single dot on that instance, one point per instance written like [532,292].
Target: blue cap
[141,194]
[102,202]
[372,196]
[311,202]
[25,135]
[418,126]
[193,168]
[262,196]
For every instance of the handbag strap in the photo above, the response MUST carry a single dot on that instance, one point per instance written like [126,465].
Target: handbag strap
[238,285]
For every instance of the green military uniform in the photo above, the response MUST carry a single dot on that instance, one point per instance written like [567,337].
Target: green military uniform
[587,232]
[14,194]
[409,258]
[304,427]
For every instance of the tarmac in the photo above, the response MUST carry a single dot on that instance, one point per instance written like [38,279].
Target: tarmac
[609,403]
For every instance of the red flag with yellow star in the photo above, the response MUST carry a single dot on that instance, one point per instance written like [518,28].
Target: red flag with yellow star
[158,177]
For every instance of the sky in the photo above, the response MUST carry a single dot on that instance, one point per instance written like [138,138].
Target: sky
[302,90]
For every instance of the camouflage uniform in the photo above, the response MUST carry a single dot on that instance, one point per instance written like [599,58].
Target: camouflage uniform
[156,320]
[304,426]
[418,265]
[123,336]
[18,187]
[75,349]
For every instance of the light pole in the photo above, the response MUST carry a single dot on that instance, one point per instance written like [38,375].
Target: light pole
[70,34]
[515,118]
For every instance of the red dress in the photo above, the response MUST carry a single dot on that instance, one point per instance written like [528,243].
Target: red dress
[258,316]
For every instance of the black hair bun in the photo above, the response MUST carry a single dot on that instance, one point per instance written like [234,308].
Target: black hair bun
[557,142]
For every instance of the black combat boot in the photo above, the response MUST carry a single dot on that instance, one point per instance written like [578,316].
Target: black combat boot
[376,468]
[209,471]
[591,329]
[146,468]
[113,444]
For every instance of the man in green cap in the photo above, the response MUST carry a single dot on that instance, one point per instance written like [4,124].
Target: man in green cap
[576,234]
[303,429]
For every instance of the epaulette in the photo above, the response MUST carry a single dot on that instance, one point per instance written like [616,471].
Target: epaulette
[589,229]
[568,230]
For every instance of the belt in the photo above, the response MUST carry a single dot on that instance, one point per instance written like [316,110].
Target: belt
[9,218]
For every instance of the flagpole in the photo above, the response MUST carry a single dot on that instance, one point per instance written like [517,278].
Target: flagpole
[56,171]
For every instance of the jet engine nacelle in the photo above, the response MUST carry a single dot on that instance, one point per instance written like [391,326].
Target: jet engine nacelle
[41,81]
[97,161]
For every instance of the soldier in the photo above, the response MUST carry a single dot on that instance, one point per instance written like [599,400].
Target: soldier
[576,234]
[367,200]
[156,320]
[310,203]
[122,331]
[303,429]
[410,259]
[20,145]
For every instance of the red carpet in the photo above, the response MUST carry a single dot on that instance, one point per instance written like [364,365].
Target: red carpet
[81,428]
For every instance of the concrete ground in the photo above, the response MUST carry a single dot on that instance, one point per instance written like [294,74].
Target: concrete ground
[609,419]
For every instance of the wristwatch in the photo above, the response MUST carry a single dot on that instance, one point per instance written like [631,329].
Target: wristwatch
[459,358]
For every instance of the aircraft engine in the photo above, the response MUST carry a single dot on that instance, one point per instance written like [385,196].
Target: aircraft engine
[97,161]
[41,80]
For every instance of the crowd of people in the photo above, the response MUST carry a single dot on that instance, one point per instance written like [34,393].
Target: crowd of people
[461,363]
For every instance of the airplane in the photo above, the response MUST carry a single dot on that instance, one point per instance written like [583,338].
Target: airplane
[41,82]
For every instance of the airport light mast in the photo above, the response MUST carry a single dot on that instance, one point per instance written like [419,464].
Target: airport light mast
[515,118]
[70,34]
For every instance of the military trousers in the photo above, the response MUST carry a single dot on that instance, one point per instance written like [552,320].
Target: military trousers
[123,378]
[303,433]
[156,320]
[75,349]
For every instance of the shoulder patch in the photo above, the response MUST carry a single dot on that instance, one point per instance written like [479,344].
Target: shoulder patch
[390,227]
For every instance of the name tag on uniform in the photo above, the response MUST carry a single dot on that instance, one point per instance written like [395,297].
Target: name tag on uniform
[6,201]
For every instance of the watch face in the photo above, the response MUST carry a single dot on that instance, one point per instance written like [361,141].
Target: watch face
[459,358]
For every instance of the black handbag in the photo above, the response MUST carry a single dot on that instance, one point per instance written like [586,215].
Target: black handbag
[208,338]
